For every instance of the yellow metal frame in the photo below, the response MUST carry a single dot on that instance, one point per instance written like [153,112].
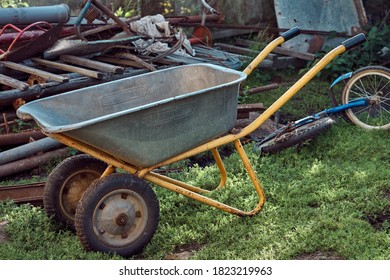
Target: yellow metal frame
[196,192]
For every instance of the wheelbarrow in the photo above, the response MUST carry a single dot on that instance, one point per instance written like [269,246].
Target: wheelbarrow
[140,124]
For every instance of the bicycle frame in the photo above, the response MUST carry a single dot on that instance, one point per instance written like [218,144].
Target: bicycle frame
[361,102]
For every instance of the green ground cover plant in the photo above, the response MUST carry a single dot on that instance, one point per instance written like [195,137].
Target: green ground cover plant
[328,196]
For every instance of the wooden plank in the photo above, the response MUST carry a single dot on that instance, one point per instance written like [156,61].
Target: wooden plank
[266,63]
[230,33]
[236,49]
[278,50]
[67,67]
[31,70]
[14,83]
[300,55]
[125,62]
[260,89]
[101,66]
[243,110]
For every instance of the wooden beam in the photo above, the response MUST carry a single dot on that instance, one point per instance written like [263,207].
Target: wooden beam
[260,89]
[31,70]
[300,55]
[243,110]
[101,66]
[278,50]
[120,61]
[138,63]
[236,49]
[14,83]
[67,67]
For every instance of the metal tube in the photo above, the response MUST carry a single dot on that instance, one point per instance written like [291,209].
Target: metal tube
[30,163]
[42,145]
[53,14]
[20,138]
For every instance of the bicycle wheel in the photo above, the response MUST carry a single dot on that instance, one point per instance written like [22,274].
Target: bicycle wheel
[372,82]
[294,135]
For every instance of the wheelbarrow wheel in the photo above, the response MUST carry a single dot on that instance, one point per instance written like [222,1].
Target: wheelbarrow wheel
[66,185]
[117,214]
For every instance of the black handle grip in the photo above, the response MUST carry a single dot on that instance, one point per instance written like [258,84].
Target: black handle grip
[289,34]
[354,41]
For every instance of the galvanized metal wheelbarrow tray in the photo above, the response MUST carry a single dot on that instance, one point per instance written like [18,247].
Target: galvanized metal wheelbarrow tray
[141,123]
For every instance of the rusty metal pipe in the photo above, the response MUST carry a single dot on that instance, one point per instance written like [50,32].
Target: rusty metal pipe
[26,36]
[105,10]
[19,16]
[193,19]
[20,138]
[24,151]
[30,163]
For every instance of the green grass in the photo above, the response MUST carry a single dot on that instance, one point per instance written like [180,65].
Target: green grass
[319,198]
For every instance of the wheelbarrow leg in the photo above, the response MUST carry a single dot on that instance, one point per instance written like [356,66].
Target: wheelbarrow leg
[221,167]
[110,169]
[252,175]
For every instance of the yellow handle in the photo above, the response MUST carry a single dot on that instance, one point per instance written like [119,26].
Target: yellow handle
[285,36]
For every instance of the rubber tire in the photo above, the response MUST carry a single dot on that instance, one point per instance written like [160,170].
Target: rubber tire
[357,75]
[295,136]
[103,194]
[82,167]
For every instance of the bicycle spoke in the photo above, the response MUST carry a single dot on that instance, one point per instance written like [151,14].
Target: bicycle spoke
[360,89]
[388,82]
[373,83]
[357,112]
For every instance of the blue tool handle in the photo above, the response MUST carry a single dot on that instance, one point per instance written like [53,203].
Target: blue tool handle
[289,34]
[83,12]
[354,41]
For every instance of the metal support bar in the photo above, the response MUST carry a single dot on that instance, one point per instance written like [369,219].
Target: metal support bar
[105,10]
[169,183]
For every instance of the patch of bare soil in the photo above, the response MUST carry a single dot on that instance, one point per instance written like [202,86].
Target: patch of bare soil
[184,252]
[381,221]
[320,256]
[3,236]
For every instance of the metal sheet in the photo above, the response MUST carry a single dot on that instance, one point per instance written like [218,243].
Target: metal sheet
[330,15]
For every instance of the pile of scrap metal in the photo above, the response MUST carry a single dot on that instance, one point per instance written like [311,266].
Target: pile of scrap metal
[44,51]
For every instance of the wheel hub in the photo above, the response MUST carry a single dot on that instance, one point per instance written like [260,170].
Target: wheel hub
[122,219]
[73,189]
[119,218]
